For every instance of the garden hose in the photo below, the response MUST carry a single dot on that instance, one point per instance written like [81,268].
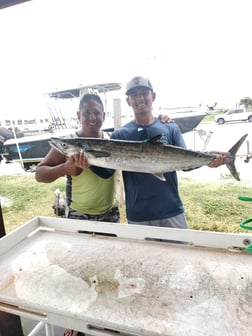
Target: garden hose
[244,224]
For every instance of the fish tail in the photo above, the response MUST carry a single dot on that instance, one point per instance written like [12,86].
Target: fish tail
[231,158]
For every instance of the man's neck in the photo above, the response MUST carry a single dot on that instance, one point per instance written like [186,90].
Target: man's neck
[144,120]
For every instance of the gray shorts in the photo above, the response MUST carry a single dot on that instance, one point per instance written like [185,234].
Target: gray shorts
[177,222]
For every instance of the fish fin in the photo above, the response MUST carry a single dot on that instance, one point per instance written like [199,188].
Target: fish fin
[231,158]
[98,154]
[108,130]
[156,139]
[160,176]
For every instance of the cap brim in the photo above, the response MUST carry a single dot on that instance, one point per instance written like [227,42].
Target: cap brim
[130,91]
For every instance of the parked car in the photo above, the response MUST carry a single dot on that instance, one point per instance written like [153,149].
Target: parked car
[239,114]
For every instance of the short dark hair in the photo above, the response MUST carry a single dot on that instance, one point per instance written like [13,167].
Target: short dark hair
[90,96]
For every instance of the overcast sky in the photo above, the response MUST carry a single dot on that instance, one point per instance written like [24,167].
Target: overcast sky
[194,51]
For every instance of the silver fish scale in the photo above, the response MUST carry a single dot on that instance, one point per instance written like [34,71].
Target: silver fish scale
[135,156]
[140,156]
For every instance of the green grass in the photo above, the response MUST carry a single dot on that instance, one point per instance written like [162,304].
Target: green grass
[29,199]
[210,117]
[209,206]
[215,207]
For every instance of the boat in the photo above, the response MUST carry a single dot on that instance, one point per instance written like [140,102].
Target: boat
[30,150]
[187,123]
[186,118]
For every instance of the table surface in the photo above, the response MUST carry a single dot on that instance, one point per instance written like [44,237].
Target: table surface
[149,287]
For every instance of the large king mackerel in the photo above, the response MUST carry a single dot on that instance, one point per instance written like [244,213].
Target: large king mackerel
[141,156]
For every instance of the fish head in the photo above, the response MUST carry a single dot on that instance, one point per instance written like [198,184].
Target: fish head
[65,146]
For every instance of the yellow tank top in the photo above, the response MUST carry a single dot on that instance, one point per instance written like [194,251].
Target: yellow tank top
[92,194]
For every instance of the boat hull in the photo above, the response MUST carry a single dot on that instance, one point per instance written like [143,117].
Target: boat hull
[28,151]
[188,123]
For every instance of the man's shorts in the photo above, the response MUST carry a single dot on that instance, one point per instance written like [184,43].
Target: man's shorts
[112,215]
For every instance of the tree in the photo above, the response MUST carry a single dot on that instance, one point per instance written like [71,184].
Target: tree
[247,102]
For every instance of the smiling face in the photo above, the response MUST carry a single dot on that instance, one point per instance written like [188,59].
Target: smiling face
[91,116]
[141,100]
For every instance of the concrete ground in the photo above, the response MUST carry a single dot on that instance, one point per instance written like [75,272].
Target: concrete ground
[12,169]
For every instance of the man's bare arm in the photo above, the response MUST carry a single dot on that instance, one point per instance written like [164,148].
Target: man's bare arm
[55,165]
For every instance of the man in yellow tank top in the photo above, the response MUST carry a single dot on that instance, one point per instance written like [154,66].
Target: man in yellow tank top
[89,196]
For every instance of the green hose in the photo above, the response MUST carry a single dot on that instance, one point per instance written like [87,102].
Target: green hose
[244,224]
[245,198]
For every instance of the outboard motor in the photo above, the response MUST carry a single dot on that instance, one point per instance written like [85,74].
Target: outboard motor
[59,205]
[5,134]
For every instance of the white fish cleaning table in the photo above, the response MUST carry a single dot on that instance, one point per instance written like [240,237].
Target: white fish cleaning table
[115,282]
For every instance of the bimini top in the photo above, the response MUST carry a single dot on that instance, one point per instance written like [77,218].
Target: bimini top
[77,92]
